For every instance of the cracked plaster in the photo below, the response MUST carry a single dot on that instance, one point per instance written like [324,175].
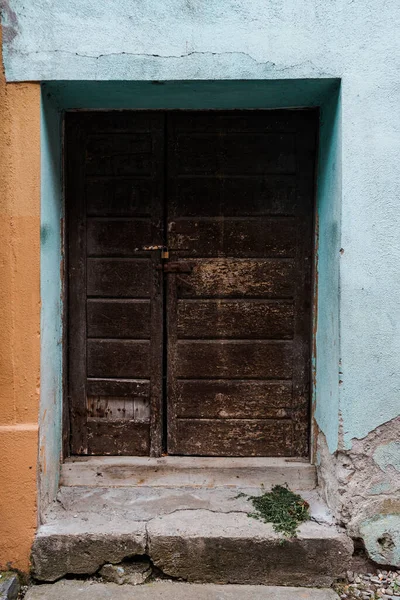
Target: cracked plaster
[362,487]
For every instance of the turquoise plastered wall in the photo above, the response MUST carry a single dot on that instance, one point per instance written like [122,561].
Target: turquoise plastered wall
[358,329]
[51,331]
[274,40]
[66,95]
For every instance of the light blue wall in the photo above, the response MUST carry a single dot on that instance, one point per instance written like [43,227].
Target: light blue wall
[52,306]
[327,358]
[356,42]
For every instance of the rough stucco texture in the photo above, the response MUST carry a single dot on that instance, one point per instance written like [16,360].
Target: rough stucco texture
[186,39]
[362,485]
[19,317]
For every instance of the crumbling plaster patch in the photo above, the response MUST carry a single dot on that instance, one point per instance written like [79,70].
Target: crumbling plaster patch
[362,487]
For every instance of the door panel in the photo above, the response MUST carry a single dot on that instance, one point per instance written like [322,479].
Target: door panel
[240,197]
[115,237]
[234,237]
[221,398]
[115,318]
[231,195]
[115,187]
[238,278]
[119,278]
[235,319]
[233,437]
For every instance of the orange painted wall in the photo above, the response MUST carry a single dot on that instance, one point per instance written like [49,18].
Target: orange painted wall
[19,317]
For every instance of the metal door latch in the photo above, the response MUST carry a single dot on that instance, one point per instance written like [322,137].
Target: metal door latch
[164,250]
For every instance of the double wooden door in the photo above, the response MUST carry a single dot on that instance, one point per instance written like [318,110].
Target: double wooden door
[189,261]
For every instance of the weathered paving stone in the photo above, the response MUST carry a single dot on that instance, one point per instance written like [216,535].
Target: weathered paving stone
[79,590]
[9,586]
[79,549]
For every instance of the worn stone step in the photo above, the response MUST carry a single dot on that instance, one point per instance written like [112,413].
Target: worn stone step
[83,590]
[178,471]
[196,535]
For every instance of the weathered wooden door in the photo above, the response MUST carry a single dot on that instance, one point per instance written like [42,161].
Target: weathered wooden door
[230,194]
[240,198]
[115,201]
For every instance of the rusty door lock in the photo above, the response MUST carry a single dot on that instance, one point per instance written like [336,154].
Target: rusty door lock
[169,267]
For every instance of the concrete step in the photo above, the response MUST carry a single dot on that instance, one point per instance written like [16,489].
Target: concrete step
[180,471]
[78,590]
[197,535]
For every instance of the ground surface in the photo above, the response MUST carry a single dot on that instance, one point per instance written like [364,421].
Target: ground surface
[78,590]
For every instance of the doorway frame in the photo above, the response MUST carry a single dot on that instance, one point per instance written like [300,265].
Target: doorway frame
[61,96]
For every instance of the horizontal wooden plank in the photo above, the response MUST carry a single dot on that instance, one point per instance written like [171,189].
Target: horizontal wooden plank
[118,318]
[224,399]
[138,388]
[242,437]
[241,120]
[118,143]
[234,196]
[259,237]
[118,358]
[224,278]
[119,277]
[120,164]
[234,152]
[234,359]
[118,438]
[112,122]
[117,237]
[257,319]
[119,197]
[263,152]
[116,408]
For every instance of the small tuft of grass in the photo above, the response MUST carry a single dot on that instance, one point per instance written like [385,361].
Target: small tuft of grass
[281,507]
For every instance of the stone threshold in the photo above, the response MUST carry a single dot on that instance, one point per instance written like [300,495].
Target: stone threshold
[180,471]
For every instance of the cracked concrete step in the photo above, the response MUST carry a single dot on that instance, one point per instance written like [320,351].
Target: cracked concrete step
[178,471]
[197,535]
[144,503]
[78,590]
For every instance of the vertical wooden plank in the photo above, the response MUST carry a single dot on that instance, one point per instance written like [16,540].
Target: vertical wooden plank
[171,300]
[172,342]
[157,299]
[76,211]
[306,146]
[66,423]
